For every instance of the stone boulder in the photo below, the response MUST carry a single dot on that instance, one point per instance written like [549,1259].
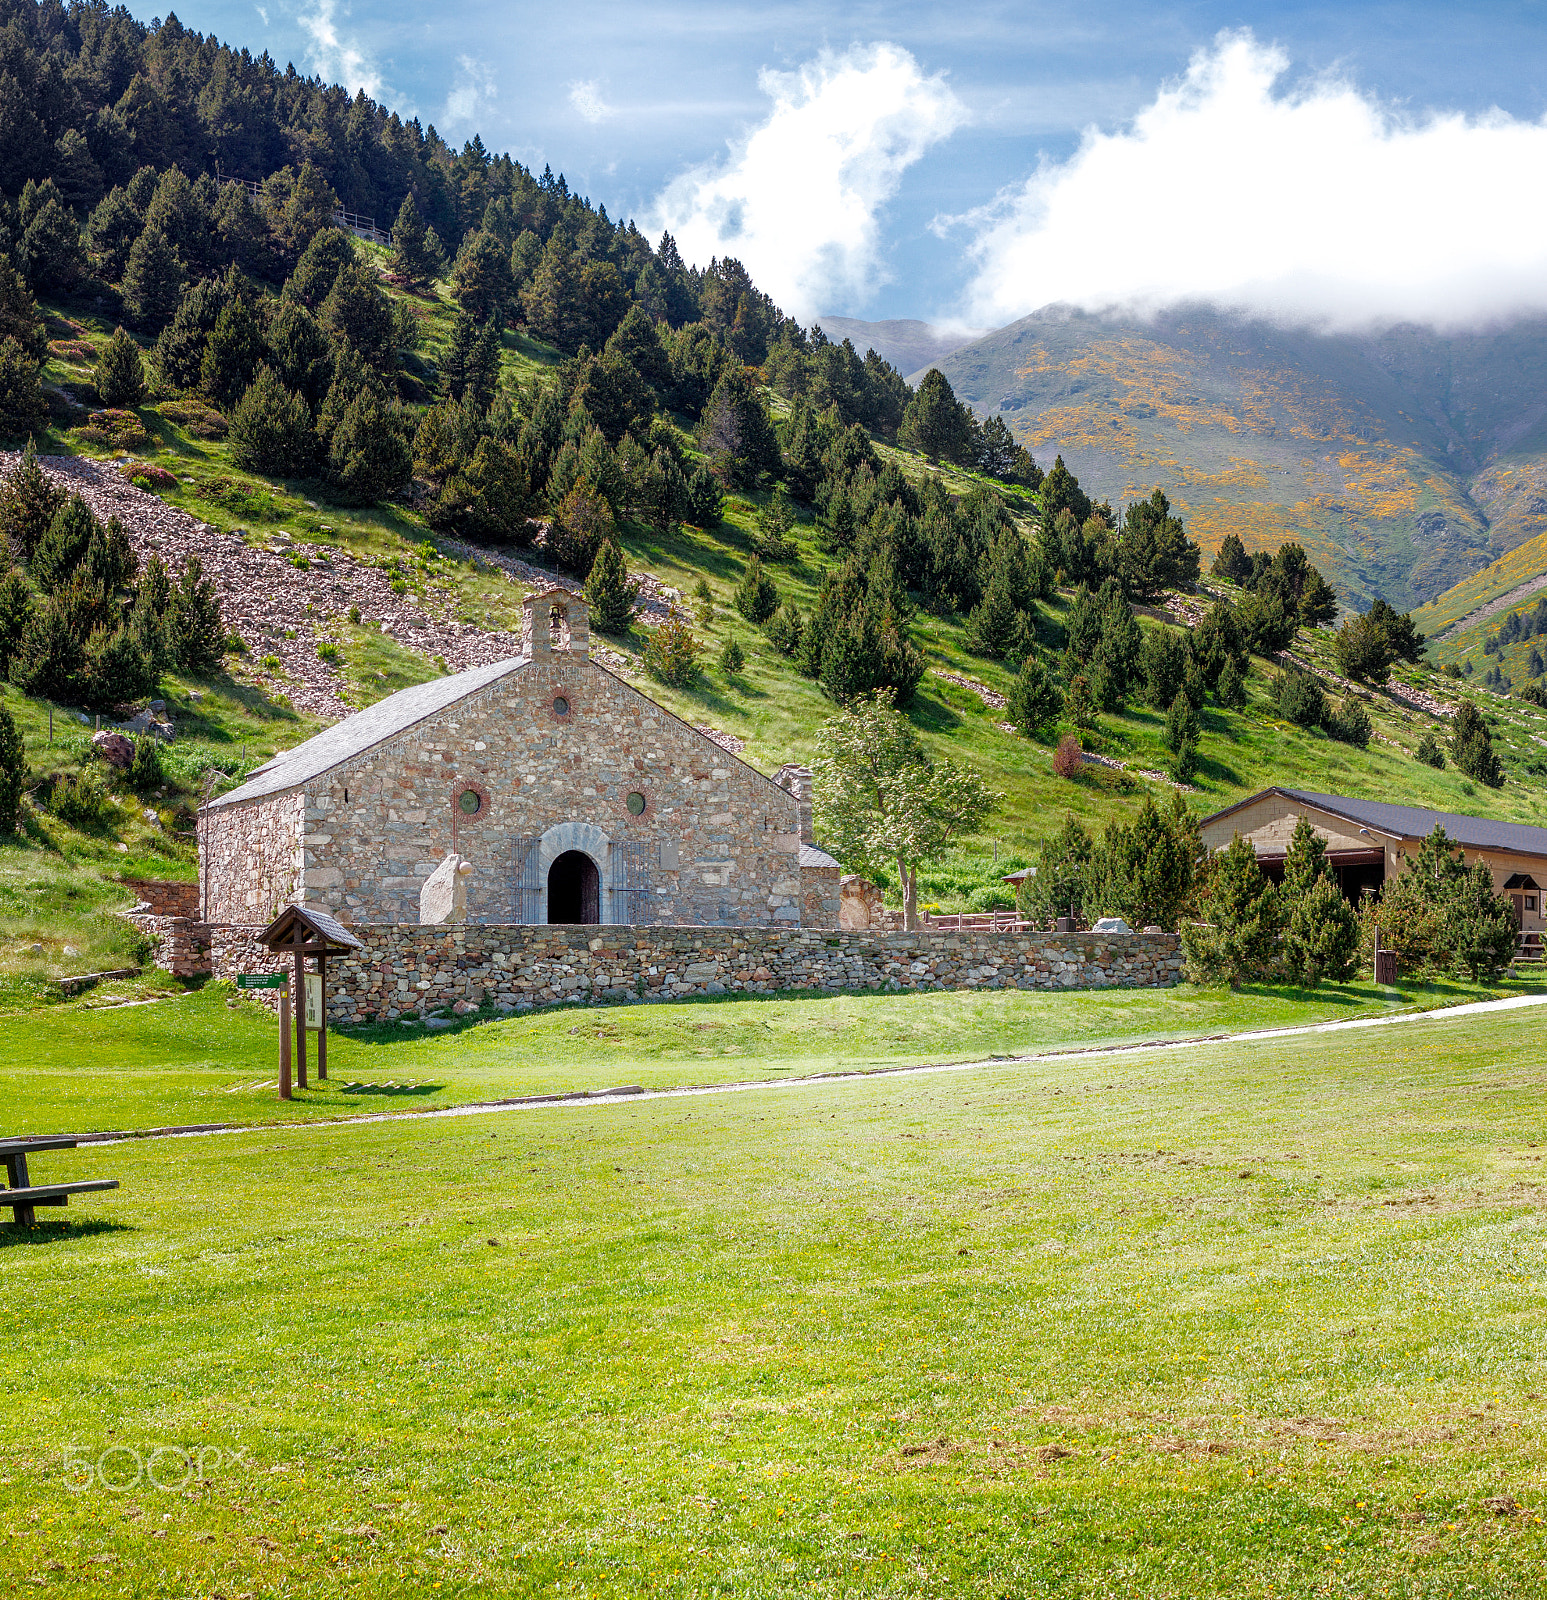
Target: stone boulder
[114,748]
[859,903]
[444,895]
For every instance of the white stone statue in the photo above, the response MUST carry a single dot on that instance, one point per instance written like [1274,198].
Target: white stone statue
[444,895]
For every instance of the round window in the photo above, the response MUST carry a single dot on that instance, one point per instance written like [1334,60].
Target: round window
[636,803]
[560,706]
[470,802]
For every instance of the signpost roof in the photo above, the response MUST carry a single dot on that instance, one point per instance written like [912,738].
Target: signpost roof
[305,928]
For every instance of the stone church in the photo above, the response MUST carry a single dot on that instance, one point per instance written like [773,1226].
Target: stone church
[572,797]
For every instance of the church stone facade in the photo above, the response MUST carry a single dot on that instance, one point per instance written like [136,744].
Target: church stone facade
[575,799]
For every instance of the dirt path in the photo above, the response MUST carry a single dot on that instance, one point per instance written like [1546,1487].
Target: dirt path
[1513,597]
[632,1093]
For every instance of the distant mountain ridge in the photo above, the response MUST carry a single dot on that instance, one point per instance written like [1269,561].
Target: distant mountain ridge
[1406,461]
[904,341]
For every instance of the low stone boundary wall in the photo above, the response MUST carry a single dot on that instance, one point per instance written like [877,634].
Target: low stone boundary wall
[412,968]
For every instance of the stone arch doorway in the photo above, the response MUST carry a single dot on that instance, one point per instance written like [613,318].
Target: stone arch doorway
[574,889]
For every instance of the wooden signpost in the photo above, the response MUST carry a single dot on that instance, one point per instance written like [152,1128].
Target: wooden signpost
[300,931]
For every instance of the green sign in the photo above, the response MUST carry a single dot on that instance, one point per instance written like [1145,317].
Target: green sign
[261,980]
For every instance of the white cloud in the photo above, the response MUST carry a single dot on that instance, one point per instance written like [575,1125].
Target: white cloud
[339,59]
[1317,205]
[586,98]
[798,201]
[471,90]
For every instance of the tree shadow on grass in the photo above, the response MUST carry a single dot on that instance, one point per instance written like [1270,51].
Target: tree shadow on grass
[13,1236]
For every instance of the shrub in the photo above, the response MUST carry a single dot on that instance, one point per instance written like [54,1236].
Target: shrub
[1429,751]
[78,801]
[195,418]
[144,476]
[733,658]
[146,772]
[21,390]
[672,652]
[1068,759]
[757,596]
[119,374]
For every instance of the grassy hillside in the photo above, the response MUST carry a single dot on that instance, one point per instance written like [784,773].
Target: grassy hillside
[1404,462]
[775,712]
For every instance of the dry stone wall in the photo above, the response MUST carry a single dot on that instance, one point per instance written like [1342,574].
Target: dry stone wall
[411,968]
[251,858]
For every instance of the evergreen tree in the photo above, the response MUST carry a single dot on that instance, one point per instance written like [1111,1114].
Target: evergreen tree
[489,499]
[368,457]
[63,547]
[412,259]
[1034,701]
[997,627]
[1145,871]
[1153,551]
[1300,697]
[553,304]
[15,609]
[232,355]
[29,501]
[357,312]
[1267,624]
[1181,724]
[19,316]
[115,670]
[612,596]
[119,375]
[110,561]
[637,342]
[756,596]
[13,772]
[1235,944]
[786,629]
[271,429]
[1429,751]
[1216,640]
[48,660]
[1364,650]
[1349,723]
[1163,664]
[198,635]
[150,617]
[111,231]
[329,253]
[1471,746]
[733,659]
[21,391]
[936,423]
[705,503]
[581,524]
[153,280]
[49,251]
[480,279]
[1321,936]
[1230,691]
[299,353]
[1061,492]
[1232,563]
[1480,925]
[671,652]
[735,432]
[470,368]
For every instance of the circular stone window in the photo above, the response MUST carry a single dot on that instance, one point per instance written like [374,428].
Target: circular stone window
[469,800]
[560,706]
[635,804]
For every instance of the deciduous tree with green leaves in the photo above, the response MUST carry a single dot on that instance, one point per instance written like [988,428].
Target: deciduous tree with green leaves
[883,799]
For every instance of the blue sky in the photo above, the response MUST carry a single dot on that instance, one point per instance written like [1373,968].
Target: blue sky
[938,150]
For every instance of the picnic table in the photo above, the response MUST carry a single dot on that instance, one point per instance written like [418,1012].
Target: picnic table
[23,1195]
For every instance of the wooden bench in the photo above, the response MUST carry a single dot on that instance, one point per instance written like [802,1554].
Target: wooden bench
[23,1196]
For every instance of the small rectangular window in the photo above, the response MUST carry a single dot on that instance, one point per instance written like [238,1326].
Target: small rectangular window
[1530,902]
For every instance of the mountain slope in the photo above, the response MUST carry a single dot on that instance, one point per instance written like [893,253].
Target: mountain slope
[1405,461]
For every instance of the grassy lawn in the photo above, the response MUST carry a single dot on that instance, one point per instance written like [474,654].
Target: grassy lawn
[1254,1320]
[207,1057]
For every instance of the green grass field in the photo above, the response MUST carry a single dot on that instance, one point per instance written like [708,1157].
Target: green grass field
[208,1057]
[1249,1319]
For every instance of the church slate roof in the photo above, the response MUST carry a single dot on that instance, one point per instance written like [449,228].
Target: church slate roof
[1414,822]
[364,731]
[813,855]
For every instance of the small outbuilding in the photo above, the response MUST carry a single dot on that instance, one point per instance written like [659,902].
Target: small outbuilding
[1369,840]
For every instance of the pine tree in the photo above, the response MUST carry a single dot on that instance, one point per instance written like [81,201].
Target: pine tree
[110,561]
[271,430]
[1034,701]
[47,662]
[29,501]
[786,629]
[21,391]
[1321,937]
[480,279]
[936,423]
[581,524]
[1429,751]
[119,374]
[1181,724]
[1236,941]
[612,596]
[1471,746]
[20,318]
[368,457]
[1230,691]
[317,271]
[1479,925]
[63,547]
[1232,563]
[235,350]
[115,670]
[197,632]
[153,280]
[13,772]
[412,259]
[733,659]
[671,652]
[15,609]
[470,368]
[756,596]
[705,500]
[997,626]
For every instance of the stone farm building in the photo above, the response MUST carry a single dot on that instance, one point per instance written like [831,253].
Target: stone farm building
[573,797]
[1368,841]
